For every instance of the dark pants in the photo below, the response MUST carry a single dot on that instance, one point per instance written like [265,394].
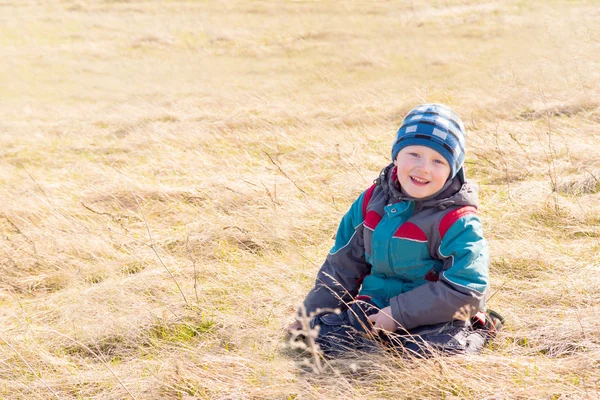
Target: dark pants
[351,330]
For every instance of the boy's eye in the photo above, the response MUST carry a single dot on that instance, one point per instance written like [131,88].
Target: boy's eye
[414,154]
[439,162]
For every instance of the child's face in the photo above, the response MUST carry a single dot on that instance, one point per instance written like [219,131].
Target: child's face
[421,171]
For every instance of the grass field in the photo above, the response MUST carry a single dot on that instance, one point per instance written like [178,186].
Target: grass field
[172,173]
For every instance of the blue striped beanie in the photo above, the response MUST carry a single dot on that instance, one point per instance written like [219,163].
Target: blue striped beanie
[435,126]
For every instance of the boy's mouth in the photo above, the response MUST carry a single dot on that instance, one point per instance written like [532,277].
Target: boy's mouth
[419,181]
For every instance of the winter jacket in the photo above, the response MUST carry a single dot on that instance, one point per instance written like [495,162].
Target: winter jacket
[426,258]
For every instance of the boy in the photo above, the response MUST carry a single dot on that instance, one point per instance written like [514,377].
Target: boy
[411,247]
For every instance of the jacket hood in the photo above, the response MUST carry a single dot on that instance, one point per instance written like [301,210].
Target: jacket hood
[456,192]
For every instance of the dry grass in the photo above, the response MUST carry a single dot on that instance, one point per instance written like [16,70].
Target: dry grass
[173,172]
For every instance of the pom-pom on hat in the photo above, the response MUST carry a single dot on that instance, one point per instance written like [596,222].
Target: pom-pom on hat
[435,126]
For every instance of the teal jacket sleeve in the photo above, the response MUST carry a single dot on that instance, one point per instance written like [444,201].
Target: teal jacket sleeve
[461,290]
[340,276]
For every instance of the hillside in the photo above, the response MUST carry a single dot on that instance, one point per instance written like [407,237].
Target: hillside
[173,173]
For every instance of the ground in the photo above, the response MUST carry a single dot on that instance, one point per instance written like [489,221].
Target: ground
[173,173]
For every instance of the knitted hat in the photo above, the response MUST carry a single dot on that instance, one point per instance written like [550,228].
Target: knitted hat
[435,126]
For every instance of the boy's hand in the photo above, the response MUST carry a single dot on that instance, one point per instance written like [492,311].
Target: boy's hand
[383,321]
[294,326]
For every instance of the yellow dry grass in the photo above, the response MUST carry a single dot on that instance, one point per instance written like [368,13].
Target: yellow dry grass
[172,174]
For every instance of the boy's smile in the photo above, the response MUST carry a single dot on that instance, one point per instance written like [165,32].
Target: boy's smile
[421,171]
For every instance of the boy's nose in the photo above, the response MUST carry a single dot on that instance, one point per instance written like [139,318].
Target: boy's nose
[422,165]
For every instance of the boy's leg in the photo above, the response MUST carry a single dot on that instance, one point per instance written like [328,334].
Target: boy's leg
[456,337]
[348,330]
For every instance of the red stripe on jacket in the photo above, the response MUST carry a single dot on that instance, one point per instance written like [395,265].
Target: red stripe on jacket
[410,231]
[366,200]
[371,220]
[454,216]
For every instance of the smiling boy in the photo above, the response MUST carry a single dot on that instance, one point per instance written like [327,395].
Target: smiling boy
[409,265]
[421,171]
